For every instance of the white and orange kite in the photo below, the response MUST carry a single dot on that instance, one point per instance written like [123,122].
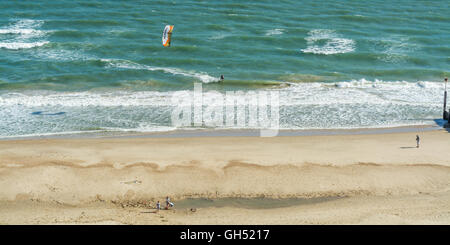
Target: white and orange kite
[167,34]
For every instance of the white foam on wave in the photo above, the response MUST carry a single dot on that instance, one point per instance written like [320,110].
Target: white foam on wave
[23,27]
[360,104]
[364,83]
[345,104]
[23,35]
[85,99]
[362,91]
[19,45]
[103,99]
[345,92]
[334,43]
[25,32]
[125,64]
[277,31]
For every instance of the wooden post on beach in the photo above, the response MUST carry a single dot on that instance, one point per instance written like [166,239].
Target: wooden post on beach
[446,114]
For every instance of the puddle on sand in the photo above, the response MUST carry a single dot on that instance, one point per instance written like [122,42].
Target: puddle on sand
[250,203]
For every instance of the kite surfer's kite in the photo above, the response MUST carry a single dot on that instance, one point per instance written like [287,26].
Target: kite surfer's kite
[167,34]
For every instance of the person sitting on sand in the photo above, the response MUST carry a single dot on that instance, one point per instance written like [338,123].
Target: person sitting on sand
[417,140]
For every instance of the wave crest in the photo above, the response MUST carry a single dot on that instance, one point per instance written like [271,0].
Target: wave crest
[126,64]
[334,44]
[24,35]
[18,45]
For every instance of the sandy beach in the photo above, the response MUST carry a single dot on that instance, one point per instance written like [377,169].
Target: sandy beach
[370,178]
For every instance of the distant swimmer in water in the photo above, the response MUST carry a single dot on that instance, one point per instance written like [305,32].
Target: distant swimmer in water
[221,78]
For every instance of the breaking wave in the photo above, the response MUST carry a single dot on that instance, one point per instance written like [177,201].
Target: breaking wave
[327,42]
[23,34]
[19,45]
[126,64]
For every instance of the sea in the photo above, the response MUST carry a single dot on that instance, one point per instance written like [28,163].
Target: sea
[70,67]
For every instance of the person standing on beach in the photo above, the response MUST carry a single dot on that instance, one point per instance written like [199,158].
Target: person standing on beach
[158,205]
[417,140]
[168,203]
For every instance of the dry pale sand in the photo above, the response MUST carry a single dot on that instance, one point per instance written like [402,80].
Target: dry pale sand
[383,178]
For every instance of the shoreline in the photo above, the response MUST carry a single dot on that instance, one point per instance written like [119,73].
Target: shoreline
[206,132]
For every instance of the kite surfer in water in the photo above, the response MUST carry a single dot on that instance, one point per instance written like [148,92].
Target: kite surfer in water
[221,78]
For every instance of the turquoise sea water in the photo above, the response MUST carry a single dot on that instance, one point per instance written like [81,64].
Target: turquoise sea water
[76,66]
